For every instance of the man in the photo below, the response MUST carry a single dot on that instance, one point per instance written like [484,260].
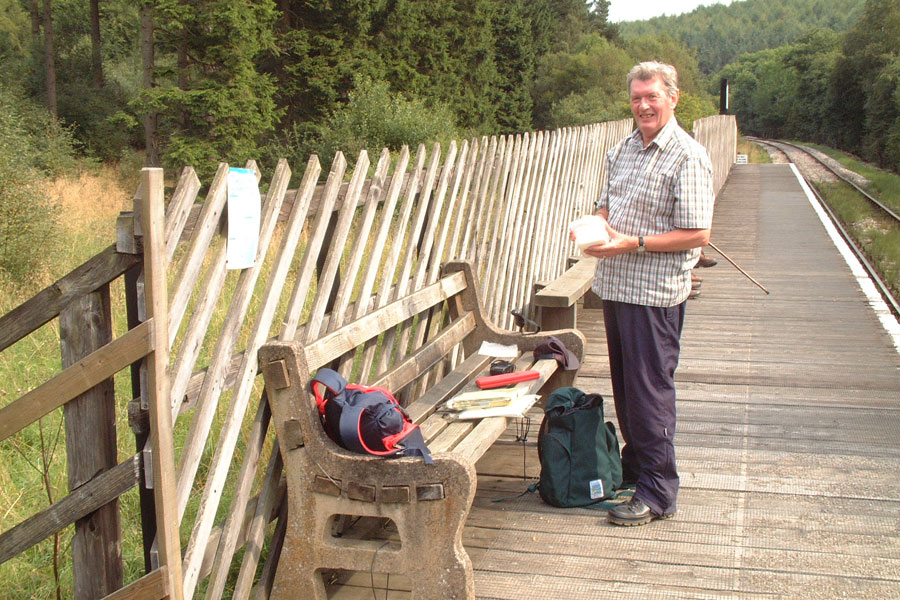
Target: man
[658,204]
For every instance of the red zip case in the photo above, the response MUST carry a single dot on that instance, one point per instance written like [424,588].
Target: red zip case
[494,381]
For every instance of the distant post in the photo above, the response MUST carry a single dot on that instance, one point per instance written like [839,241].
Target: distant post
[723,97]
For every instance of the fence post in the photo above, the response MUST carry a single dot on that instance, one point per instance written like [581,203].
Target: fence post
[163,451]
[128,241]
[85,325]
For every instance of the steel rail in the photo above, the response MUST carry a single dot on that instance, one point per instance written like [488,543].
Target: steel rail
[887,209]
[883,289]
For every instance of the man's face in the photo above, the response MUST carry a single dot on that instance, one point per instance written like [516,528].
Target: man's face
[652,106]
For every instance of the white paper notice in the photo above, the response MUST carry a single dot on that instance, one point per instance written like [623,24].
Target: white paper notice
[498,350]
[243,219]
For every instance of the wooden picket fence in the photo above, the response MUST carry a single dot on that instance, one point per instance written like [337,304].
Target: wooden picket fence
[328,253]
[719,136]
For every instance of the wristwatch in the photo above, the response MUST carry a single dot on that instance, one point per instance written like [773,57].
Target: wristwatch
[641,247]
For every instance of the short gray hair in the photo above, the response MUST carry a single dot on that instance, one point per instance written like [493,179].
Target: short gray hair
[646,71]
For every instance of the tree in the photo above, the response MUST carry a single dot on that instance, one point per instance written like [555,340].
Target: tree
[665,48]
[49,57]
[442,51]
[15,43]
[223,105]
[96,42]
[812,61]
[868,47]
[151,116]
[515,52]
[882,144]
[584,86]
[720,34]
[319,47]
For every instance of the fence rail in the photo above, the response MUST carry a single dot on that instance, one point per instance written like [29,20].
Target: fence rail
[329,253]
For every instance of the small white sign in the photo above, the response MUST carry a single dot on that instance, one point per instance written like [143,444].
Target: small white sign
[597,489]
[244,208]
[741,159]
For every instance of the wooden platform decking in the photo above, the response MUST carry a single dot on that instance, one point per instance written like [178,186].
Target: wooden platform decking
[788,440]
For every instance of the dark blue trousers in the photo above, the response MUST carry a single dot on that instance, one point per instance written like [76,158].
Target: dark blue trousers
[644,342]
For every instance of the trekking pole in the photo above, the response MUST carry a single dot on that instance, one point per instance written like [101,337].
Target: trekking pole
[736,266]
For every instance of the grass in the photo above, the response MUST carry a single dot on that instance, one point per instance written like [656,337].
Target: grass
[755,153]
[33,462]
[882,184]
[90,205]
[878,235]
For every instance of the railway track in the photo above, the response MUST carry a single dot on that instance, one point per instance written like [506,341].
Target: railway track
[807,161]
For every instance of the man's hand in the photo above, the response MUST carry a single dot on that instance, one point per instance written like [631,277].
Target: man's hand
[618,243]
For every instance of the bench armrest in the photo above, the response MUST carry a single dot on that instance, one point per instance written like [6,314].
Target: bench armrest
[559,299]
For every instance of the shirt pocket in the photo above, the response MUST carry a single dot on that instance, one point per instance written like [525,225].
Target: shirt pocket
[655,194]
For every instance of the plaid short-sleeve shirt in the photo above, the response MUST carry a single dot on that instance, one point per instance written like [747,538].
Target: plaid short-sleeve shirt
[665,186]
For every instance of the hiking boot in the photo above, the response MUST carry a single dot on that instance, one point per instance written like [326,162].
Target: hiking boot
[632,514]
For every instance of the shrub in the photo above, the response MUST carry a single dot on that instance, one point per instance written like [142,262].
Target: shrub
[27,216]
[93,111]
[375,118]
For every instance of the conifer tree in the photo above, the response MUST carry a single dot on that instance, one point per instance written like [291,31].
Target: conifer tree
[222,105]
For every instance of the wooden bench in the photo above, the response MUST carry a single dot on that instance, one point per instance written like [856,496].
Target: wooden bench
[558,300]
[427,503]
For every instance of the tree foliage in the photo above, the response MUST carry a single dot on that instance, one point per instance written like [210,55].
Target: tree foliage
[373,118]
[841,90]
[585,85]
[232,80]
[222,104]
[719,34]
[33,147]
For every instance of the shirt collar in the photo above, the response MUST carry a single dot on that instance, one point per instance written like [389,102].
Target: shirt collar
[662,138]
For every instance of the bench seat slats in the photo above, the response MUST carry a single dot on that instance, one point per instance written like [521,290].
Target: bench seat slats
[476,443]
[472,438]
[451,383]
[463,378]
[452,433]
[348,337]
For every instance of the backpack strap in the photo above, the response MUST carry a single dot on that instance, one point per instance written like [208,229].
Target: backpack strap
[413,443]
[332,380]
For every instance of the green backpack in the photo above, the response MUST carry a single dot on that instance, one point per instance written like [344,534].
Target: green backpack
[579,453]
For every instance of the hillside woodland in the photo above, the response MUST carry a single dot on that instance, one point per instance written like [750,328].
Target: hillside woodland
[173,83]
[720,33]
[824,71]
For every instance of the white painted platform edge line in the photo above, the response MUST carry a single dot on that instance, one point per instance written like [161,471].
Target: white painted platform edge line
[888,321]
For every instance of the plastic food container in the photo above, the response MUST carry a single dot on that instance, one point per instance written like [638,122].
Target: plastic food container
[589,230]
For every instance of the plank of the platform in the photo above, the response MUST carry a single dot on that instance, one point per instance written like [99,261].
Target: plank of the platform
[788,407]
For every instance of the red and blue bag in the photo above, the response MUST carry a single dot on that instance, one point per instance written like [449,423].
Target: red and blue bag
[366,419]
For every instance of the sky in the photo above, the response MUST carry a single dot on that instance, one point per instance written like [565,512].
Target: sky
[630,10]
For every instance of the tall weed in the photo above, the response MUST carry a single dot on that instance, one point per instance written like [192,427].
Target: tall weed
[33,462]
[33,148]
